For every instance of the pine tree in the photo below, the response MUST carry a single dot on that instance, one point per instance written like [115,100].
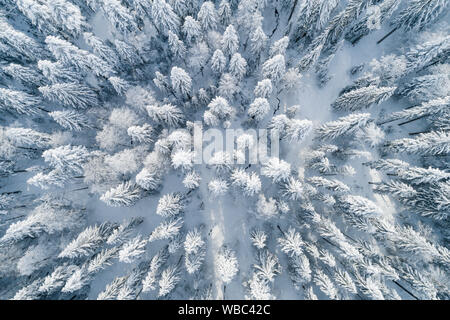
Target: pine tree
[419,13]
[181,81]
[238,66]
[26,137]
[325,284]
[217,187]
[372,20]
[276,169]
[330,184]
[168,229]
[86,242]
[263,89]
[428,53]
[359,206]
[249,182]
[258,40]
[226,264]
[412,174]
[18,101]
[149,282]
[300,270]
[128,53]
[141,134]
[279,47]
[39,15]
[268,267]
[207,16]
[343,126]
[56,280]
[259,109]
[218,109]
[119,16]
[132,250]
[426,88]
[297,130]
[67,158]
[26,75]
[194,249]
[81,60]
[224,12]
[191,29]
[56,72]
[123,232]
[291,243]
[67,16]
[218,62]
[259,239]
[436,107]
[433,143]
[55,178]
[169,279]
[176,45]
[362,98]
[16,44]
[312,18]
[125,194]
[258,289]
[72,95]
[228,86]
[166,114]
[274,68]
[230,41]
[169,205]
[192,180]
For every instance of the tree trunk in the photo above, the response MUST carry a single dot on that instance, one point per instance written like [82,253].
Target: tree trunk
[384,38]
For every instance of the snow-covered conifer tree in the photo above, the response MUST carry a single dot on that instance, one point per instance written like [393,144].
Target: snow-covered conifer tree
[132,249]
[433,143]
[207,15]
[72,95]
[297,130]
[119,16]
[169,205]
[218,61]
[230,41]
[125,194]
[274,68]
[86,242]
[101,49]
[176,45]
[18,101]
[276,169]
[169,279]
[166,114]
[263,89]
[181,81]
[57,72]
[17,44]
[81,60]
[70,119]
[191,29]
[168,229]
[238,66]
[343,126]
[224,12]
[419,13]
[258,109]
[363,98]
[226,264]
[258,40]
